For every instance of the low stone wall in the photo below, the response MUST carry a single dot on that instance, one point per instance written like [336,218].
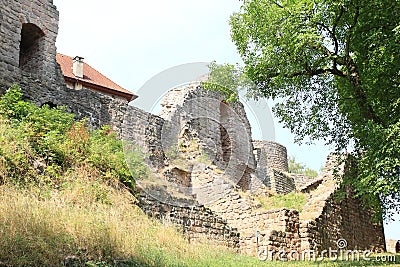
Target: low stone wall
[301,181]
[196,222]
[259,228]
[281,183]
[274,231]
[326,218]
[347,219]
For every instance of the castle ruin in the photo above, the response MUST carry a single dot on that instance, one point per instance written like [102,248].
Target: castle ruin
[208,168]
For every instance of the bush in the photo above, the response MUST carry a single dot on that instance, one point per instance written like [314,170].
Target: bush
[40,144]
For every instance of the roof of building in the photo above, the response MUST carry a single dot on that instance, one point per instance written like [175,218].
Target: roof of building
[92,78]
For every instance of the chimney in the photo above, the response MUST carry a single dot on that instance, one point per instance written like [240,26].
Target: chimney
[77,67]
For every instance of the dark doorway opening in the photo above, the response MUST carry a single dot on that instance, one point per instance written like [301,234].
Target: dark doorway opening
[31,48]
[224,134]
[49,104]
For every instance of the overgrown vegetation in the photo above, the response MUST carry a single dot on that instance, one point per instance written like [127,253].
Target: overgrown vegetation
[290,201]
[226,79]
[39,145]
[62,196]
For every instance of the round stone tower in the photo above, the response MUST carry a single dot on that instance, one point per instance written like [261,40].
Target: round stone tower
[272,155]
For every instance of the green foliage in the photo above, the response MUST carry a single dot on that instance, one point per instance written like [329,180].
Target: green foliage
[228,80]
[224,79]
[106,153]
[41,144]
[41,120]
[13,107]
[296,167]
[290,201]
[43,127]
[333,68]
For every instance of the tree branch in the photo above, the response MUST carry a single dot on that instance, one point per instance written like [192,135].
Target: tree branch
[335,54]
[328,30]
[350,31]
[366,109]
[276,3]
[324,49]
[336,43]
[311,72]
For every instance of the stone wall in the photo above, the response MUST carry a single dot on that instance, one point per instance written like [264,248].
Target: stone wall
[326,217]
[197,223]
[347,220]
[281,183]
[274,230]
[301,181]
[271,155]
[259,228]
[262,168]
[28,30]
[223,130]
[144,131]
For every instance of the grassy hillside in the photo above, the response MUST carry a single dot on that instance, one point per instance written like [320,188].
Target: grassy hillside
[67,195]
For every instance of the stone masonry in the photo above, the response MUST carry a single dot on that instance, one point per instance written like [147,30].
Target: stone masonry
[327,217]
[28,31]
[196,222]
[206,169]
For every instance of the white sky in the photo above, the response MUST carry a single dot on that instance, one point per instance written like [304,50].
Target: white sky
[131,41]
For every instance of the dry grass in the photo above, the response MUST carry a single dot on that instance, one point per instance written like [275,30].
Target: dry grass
[85,218]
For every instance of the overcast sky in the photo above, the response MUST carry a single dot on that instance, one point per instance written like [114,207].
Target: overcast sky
[132,41]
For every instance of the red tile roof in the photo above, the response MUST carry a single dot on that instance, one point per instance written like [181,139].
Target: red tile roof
[92,79]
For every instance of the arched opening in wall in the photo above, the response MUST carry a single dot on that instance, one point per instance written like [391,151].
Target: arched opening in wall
[224,135]
[31,48]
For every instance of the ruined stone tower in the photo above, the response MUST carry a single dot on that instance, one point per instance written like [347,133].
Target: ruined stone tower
[28,32]
[27,49]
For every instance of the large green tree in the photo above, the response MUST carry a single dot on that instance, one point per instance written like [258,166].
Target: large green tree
[333,68]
